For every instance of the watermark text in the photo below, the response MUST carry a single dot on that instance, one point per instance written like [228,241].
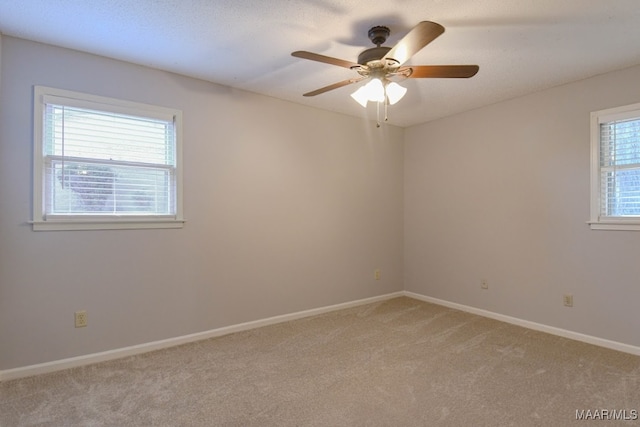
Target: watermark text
[607,414]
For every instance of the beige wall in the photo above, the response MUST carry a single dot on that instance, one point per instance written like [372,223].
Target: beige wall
[502,193]
[288,208]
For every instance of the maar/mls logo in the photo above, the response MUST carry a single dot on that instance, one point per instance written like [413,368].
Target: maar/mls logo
[607,414]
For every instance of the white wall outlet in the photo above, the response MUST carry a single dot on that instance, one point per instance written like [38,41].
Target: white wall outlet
[484,284]
[81,319]
[376,274]
[567,300]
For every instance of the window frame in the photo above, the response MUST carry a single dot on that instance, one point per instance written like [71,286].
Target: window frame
[598,222]
[41,222]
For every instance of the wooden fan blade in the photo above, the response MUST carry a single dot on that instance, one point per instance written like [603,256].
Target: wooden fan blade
[419,36]
[322,58]
[334,86]
[443,71]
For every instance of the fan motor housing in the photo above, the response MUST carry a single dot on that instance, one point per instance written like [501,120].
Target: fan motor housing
[373,54]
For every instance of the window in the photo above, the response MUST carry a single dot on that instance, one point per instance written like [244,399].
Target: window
[615,168]
[102,163]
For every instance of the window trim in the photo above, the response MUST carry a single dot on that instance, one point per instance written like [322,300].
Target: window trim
[40,222]
[597,222]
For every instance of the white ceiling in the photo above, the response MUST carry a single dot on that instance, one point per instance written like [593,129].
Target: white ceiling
[521,46]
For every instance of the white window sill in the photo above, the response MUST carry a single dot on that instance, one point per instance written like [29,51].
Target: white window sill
[102,224]
[615,225]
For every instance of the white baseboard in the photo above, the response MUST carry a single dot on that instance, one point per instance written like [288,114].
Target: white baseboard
[104,356]
[614,345]
[73,362]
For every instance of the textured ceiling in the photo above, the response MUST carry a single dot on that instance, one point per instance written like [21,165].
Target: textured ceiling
[521,46]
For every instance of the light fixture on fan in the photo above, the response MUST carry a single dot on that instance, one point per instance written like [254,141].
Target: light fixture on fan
[374,91]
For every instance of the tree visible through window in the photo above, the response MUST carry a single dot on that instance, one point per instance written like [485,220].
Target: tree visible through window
[83,188]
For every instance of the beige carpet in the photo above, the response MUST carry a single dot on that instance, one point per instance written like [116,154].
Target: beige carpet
[400,362]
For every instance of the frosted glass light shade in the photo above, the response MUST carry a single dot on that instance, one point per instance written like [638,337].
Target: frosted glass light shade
[360,96]
[375,90]
[395,92]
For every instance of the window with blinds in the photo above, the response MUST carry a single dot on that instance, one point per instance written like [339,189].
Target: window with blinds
[105,161]
[616,167]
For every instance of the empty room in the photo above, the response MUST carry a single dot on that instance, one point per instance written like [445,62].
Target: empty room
[319,213]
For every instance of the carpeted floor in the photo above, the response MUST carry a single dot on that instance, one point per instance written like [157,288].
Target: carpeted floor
[400,362]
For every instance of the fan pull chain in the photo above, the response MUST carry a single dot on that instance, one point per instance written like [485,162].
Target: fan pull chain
[386,115]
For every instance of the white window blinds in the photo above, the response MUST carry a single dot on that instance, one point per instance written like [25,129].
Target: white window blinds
[620,168]
[102,159]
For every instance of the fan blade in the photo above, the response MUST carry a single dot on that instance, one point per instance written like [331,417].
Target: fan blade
[419,36]
[442,71]
[334,86]
[326,59]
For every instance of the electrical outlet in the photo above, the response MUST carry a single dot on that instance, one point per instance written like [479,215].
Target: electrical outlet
[567,299]
[81,319]
[376,274]
[484,284]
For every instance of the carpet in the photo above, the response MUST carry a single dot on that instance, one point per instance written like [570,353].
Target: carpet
[399,362]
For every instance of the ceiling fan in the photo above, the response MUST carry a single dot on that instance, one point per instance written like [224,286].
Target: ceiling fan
[382,66]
